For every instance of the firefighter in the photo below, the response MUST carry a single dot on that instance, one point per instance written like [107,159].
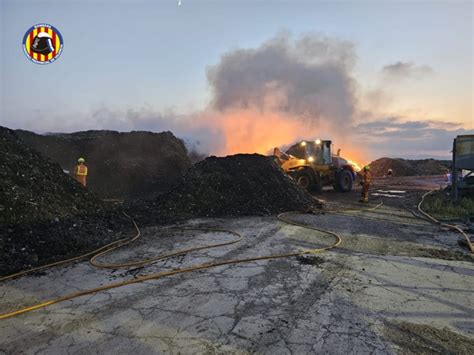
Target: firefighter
[366,180]
[80,172]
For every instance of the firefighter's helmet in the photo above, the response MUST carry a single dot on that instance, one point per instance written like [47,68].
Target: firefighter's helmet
[42,43]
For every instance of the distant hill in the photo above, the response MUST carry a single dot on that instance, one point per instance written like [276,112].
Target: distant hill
[405,167]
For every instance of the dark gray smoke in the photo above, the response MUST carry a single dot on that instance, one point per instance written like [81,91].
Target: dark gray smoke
[306,78]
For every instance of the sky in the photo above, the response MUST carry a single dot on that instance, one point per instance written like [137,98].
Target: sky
[404,70]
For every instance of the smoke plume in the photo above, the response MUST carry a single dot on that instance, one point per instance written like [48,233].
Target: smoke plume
[304,79]
[284,90]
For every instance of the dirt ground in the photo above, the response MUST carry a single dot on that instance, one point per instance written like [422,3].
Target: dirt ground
[396,284]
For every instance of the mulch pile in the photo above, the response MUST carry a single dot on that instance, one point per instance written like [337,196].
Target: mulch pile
[237,185]
[44,214]
[404,167]
[121,165]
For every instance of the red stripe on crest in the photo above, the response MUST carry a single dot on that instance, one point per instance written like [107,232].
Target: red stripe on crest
[54,43]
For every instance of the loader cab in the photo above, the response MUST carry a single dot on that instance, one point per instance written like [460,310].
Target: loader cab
[319,152]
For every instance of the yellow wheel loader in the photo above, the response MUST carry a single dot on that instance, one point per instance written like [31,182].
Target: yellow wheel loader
[312,165]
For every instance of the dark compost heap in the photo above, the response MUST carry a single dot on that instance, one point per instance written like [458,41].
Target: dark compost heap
[44,214]
[237,185]
[121,165]
[405,167]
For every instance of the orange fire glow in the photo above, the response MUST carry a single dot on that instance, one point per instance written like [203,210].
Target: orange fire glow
[250,132]
[356,166]
[253,131]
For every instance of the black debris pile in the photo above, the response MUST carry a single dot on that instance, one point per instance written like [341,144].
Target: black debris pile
[33,188]
[406,167]
[44,214]
[121,165]
[237,185]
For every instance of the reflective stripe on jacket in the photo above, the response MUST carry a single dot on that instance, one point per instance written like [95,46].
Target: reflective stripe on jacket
[81,170]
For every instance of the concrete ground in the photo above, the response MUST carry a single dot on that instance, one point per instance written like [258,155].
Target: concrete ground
[397,284]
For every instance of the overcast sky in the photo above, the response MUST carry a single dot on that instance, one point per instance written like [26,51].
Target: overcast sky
[410,70]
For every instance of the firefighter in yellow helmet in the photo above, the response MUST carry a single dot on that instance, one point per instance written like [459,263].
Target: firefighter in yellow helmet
[366,180]
[80,172]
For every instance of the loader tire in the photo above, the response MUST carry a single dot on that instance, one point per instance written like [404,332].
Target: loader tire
[304,180]
[344,181]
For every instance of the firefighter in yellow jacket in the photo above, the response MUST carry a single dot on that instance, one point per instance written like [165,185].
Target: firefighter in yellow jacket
[80,172]
[366,180]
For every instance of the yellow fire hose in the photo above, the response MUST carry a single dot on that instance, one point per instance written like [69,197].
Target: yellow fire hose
[96,254]
[138,263]
[112,246]
[450,226]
